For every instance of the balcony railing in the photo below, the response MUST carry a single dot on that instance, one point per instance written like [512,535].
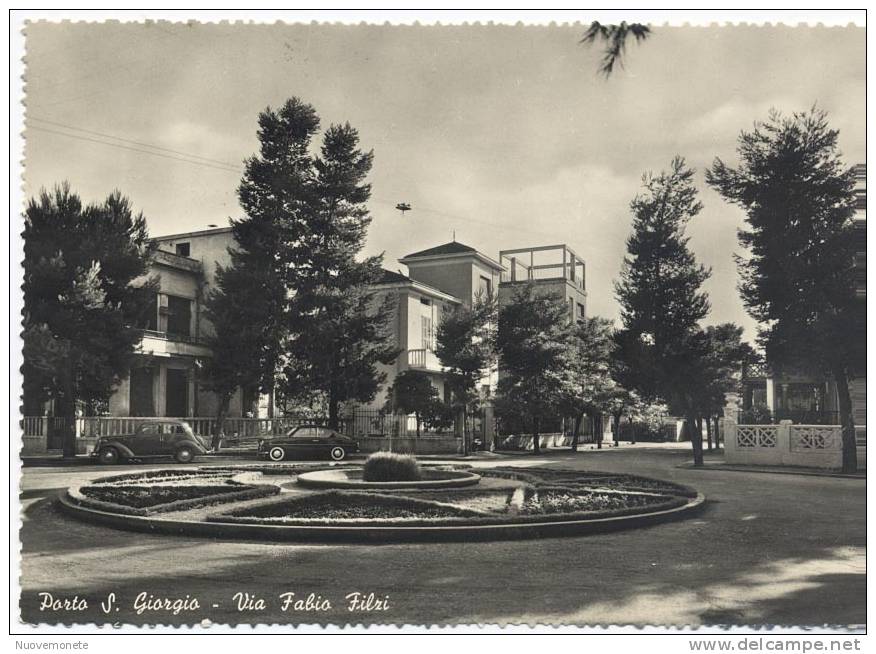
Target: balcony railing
[423,359]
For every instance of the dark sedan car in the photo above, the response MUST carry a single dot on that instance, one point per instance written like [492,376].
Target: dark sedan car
[152,438]
[308,441]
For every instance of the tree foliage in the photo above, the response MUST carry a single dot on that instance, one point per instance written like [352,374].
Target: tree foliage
[533,342]
[86,296]
[615,39]
[412,392]
[797,275]
[660,296]
[316,332]
[589,388]
[465,346]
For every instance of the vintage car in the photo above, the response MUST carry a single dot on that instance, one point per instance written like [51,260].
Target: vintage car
[152,438]
[307,441]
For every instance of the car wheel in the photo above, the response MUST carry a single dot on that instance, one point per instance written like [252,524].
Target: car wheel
[338,453]
[184,455]
[277,454]
[109,455]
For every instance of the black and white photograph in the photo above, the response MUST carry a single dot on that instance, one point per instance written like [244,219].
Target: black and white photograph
[510,320]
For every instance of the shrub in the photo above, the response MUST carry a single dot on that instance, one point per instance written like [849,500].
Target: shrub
[387,466]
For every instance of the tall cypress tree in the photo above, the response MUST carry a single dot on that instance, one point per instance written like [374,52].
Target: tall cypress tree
[85,299]
[798,277]
[660,296]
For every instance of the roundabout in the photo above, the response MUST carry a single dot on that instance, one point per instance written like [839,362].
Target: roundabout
[319,503]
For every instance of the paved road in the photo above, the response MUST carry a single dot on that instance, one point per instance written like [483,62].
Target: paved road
[768,549]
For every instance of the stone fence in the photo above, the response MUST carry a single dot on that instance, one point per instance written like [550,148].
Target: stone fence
[788,444]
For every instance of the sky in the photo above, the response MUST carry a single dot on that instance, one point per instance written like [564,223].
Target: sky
[500,136]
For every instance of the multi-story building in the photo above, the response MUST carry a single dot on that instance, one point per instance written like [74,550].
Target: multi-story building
[165,379]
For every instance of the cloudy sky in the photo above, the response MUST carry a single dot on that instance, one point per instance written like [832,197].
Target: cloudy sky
[504,134]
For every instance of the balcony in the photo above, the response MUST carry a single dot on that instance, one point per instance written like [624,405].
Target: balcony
[162,344]
[544,263]
[424,360]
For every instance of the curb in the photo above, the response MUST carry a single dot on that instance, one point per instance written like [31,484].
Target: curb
[316,479]
[771,471]
[378,535]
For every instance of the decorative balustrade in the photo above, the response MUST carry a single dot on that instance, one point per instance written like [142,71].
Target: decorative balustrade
[757,435]
[812,446]
[810,437]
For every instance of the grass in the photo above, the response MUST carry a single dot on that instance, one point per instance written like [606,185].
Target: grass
[388,466]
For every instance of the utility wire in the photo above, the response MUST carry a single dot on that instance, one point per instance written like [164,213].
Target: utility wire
[209,163]
[140,143]
[125,147]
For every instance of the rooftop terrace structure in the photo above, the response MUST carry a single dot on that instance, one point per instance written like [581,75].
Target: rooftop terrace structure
[542,263]
[553,268]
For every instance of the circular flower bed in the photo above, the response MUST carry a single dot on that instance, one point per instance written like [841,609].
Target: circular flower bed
[257,500]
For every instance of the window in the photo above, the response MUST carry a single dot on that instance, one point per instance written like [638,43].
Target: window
[485,287]
[179,316]
[427,335]
[183,249]
[150,321]
[581,315]
[572,309]
[425,301]
[150,428]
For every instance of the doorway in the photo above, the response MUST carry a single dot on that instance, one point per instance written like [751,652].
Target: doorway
[177,399]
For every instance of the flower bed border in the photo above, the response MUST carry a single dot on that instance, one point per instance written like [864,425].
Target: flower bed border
[253,492]
[458,479]
[377,535]
[475,518]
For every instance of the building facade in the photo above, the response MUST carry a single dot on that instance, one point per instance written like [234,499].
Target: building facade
[165,379]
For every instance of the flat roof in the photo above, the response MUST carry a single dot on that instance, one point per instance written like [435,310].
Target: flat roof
[200,232]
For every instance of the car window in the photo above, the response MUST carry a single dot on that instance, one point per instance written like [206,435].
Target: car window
[179,429]
[325,433]
[305,432]
[148,429]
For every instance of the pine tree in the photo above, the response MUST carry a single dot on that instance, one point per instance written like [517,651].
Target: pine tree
[660,297]
[338,332]
[251,297]
[797,279]
[533,342]
[85,299]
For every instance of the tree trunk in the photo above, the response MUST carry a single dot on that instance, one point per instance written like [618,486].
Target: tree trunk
[850,450]
[597,432]
[709,432]
[717,432]
[465,430]
[696,439]
[66,408]
[219,430]
[417,418]
[576,431]
[536,446]
[334,408]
